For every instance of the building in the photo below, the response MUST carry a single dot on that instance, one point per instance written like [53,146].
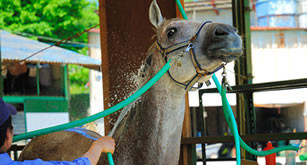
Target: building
[38,86]
[279,47]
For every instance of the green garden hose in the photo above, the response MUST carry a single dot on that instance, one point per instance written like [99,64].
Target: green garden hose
[232,124]
[230,119]
[226,107]
[303,157]
[99,115]
[110,158]
[181,9]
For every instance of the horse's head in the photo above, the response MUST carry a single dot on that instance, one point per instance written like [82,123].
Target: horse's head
[194,46]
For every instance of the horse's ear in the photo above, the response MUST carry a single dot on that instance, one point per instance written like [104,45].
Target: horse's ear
[149,60]
[155,15]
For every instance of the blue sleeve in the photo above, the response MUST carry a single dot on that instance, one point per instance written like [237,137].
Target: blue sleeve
[84,160]
[79,161]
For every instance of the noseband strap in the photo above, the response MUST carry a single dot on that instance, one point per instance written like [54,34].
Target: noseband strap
[189,47]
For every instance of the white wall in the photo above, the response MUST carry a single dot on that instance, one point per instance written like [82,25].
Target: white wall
[45,119]
[96,92]
[210,15]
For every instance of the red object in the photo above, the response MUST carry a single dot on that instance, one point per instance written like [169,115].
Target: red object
[214,7]
[270,159]
[253,4]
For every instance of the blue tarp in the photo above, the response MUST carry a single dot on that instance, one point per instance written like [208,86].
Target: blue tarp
[17,48]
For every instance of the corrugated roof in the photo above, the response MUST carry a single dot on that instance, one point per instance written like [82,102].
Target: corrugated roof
[16,48]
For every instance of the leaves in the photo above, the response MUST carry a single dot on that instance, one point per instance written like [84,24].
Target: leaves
[51,18]
[78,75]
[57,19]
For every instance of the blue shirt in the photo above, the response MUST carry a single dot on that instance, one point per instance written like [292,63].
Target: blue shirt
[5,159]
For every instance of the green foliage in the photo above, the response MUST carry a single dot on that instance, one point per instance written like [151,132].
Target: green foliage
[78,89]
[57,19]
[79,103]
[52,18]
[78,75]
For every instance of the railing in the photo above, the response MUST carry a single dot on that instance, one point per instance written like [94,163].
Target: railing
[249,89]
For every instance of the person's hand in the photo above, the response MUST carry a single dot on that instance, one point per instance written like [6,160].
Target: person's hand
[103,144]
[106,143]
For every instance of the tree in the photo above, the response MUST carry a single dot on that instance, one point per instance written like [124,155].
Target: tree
[51,18]
[57,19]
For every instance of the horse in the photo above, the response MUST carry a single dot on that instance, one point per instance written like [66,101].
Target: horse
[149,132]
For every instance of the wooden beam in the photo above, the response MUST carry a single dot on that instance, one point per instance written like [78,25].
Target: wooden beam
[126,35]
[186,132]
[104,56]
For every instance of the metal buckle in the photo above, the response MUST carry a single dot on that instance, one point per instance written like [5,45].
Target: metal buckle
[190,45]
[225,82]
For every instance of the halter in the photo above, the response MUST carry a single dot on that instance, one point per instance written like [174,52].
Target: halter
[189,47]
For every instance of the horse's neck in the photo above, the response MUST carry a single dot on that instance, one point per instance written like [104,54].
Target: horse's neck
[153,127]
[170,113]
[169,99]
[168,103]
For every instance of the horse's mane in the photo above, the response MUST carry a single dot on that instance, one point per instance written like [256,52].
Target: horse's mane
[144,73]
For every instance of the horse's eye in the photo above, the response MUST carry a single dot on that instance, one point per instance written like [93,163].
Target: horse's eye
[171,32]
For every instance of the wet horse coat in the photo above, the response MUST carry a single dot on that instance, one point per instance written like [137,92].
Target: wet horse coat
[150,133]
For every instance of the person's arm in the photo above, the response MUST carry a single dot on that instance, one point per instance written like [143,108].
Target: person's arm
[103,144]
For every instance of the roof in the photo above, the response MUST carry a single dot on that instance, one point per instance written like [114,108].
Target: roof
[16,48]
[94,30]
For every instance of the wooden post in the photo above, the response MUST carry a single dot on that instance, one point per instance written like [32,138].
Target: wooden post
[186,152]
[126,35]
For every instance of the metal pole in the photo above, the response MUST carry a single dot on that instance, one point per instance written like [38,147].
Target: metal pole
[65,81]
[243,69]
[37,80]
[1,78]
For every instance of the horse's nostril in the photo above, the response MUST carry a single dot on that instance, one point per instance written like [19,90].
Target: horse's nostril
[220,32]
